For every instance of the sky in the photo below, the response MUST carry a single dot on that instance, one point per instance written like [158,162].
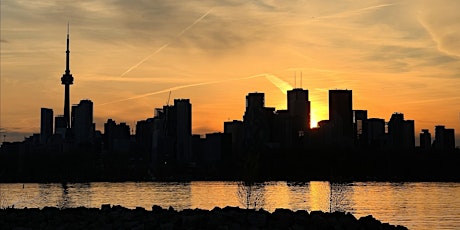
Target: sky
[130,57]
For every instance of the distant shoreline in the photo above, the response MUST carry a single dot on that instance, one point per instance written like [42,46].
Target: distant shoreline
[297,166]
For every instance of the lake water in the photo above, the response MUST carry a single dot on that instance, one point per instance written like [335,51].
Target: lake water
[415,205]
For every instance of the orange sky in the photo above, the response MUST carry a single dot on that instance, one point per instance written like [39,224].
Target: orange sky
[396,56]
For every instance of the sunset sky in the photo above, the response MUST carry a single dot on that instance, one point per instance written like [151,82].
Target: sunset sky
[126,56]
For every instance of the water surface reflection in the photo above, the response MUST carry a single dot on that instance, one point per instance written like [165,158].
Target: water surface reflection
[415,205]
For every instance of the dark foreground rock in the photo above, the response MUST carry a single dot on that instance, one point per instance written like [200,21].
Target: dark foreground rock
[117,217]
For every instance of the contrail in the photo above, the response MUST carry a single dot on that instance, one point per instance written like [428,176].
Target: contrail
[195,22]
[167,44]
[354,11]
[282,85]
[179,87]
[145,59]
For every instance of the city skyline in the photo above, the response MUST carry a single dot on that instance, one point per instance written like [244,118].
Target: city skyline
[412,72]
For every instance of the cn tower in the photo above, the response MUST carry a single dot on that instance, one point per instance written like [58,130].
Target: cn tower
[67,80]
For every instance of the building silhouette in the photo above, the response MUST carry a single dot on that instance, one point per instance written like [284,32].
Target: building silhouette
[425,140]
[46,125]
[401,132]
[183,117]
[444,139]
[376,133]
[264,143]
[341,117]
[298,107]
[60,125]
[172,133]
[236,129]
[360,129]
[258,124]
[82,122]
[116,137]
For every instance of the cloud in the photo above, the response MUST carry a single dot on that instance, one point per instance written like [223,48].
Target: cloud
[448,40]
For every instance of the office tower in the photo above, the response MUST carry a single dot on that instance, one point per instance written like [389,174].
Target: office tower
[46,125]
[144,137]
[236,129]
[255,101]
[425,139]
[341,116]
[395,130]
[82,122]
[409,134]
[298,107]
[444,139]
[116,137]
[217,148]
[360,127]
[257,122]
[172,133]
[375,132]
[67,80]
[401,132]
[60,126]
[183,112]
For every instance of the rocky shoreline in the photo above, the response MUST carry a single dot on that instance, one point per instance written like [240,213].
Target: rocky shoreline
[118,217]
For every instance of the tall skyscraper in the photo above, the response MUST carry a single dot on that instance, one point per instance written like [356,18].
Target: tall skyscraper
[425,139]
[60,126]
[46,125]
[375,132]
[360,127]
[67,80]
[255,101]
[444,139]
[401,132]
[82,121]
[341,116]
[184,129]
[298,107]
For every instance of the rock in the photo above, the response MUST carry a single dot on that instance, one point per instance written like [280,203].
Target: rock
[118,217]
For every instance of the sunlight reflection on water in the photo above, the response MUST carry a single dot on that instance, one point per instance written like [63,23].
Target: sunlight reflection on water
[415,205]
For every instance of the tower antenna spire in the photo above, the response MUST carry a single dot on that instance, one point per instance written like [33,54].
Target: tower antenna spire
[67,80]
[295,80]
[300,79]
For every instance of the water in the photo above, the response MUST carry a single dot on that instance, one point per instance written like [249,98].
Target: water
[414,205]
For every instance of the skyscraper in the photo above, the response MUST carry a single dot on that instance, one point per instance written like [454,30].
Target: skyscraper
[46,125]
[67,80]
[82,121]
[360,127]
[444,139]
[401,132]
[184,129]
[298,107]
[425,139]
[341,116]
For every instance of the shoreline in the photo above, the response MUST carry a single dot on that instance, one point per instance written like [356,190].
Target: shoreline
[159,218]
